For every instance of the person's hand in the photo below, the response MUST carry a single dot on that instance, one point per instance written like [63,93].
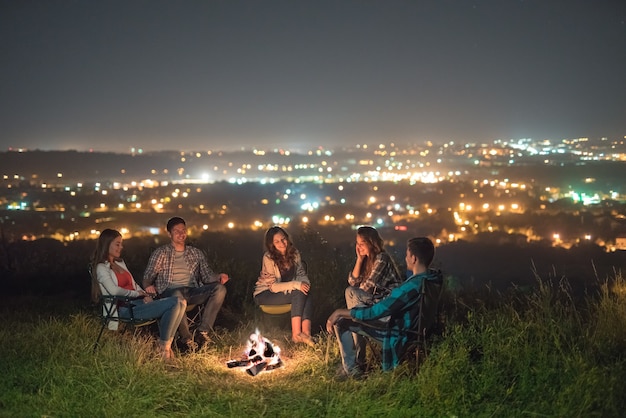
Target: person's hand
[359,256]
[146,296]
[332,319]
[224,278]
[336,316]
[305,287]
[151,290]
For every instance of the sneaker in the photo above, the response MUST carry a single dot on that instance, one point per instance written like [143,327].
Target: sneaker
[203,339]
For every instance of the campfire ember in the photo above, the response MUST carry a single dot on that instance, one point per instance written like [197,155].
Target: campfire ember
[260,355]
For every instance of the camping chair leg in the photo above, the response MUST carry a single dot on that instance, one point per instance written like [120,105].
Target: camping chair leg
[95,346]
[417,360]
[375,351]
[194,316]
[420,356]
[109,305]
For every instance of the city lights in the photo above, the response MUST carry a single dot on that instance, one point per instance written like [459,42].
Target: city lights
[383,186]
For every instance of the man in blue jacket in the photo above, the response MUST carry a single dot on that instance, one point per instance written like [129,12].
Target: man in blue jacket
[401,307]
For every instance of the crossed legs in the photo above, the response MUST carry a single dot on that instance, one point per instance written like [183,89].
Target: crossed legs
[211,295]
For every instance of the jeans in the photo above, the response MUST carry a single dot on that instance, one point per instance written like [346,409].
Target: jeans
[345,329]
[356,296]
[169,311]
[212,295]
[300,303]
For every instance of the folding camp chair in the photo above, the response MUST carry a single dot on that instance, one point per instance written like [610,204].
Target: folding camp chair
[109,306]
[275,315]
[276,309]
[428,311]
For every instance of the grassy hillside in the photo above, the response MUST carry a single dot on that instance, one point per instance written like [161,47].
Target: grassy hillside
[537,354]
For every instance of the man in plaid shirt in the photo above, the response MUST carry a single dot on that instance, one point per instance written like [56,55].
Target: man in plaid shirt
[182,270]
[402,306]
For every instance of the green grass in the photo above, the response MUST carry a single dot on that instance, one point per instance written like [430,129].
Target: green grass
[535,355]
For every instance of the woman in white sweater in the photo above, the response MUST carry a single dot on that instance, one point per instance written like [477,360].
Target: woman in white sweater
[111,276]
[284,280]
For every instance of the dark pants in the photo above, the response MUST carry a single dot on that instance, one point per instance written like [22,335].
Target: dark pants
[211,295]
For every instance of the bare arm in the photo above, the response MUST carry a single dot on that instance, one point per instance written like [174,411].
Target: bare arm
[336,316]
[353,278]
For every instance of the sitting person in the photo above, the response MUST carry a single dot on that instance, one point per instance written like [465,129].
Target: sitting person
[402,306]
[373,276]
[177,269]
[111,276]
[284,280]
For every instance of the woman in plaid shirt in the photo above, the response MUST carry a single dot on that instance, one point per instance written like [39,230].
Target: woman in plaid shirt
[373,277]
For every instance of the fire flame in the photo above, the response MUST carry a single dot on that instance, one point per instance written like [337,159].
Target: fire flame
[260,354]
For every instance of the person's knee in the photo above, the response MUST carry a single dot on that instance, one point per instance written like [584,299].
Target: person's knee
[182,302]
[352,297]
[298,296]
[219,292]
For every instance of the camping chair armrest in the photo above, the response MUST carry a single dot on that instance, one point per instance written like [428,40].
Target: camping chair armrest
[384,325]
[122,301]
[122,297]
[376,324]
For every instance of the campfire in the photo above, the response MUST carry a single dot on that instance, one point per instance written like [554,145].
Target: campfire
[260,355]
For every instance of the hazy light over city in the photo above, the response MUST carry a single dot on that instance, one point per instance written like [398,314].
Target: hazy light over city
[197,76]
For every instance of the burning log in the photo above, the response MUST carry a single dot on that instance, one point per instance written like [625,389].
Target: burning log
[256,369]
[244,362]
[260,355]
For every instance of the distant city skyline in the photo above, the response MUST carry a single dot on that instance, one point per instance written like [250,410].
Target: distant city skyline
[199,75]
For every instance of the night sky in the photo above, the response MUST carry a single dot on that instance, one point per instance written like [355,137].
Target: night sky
[198,75]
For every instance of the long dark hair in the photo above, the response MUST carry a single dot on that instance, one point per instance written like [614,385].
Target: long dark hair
[287,260]
[371,236]
[100,255]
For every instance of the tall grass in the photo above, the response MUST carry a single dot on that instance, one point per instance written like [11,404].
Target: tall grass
[536,354]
